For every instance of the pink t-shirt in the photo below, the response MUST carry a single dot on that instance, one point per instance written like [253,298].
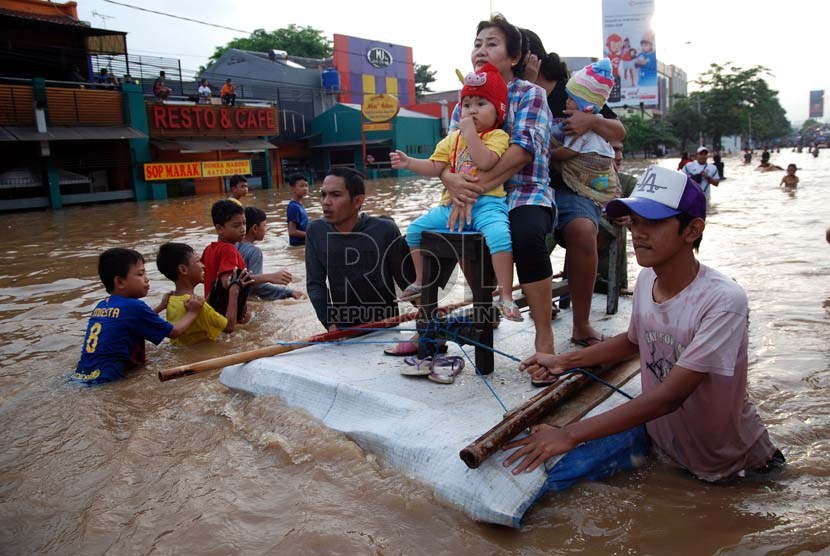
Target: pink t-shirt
[717,431]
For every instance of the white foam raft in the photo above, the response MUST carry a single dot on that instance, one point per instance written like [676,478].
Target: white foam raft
[419,427]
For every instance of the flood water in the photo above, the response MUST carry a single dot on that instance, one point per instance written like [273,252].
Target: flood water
[189,467]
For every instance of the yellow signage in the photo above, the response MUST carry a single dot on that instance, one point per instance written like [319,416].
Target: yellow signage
[225,168]
[172,170]
[380,108]
[377,127]
[184,170]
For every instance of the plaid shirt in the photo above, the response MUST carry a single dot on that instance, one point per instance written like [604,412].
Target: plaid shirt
[528,123]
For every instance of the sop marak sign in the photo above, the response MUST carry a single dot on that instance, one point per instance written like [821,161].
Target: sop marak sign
[380,108]
[185,120]
[157,171]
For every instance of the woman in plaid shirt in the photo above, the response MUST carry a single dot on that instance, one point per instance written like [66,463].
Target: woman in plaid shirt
[523,169]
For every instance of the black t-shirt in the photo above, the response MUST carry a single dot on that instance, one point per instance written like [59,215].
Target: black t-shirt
[556,103]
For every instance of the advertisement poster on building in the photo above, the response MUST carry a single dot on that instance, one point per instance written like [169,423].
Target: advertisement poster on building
[816,104]
[628,41]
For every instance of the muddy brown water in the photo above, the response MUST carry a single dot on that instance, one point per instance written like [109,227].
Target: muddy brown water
[189,467]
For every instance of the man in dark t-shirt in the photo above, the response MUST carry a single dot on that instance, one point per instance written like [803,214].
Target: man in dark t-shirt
[353,260]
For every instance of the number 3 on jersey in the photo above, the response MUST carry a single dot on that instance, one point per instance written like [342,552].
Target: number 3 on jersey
[92,339]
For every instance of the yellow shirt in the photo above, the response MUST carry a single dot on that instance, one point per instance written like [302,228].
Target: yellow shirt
[455,146]
[207,326]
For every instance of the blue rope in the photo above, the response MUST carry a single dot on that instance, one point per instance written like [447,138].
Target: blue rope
[448,330]
[598,379]
[483,378]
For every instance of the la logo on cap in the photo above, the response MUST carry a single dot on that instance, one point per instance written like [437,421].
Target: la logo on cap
[661,185]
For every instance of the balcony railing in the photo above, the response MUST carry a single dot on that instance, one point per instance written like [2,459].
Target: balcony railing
[67,104]
[16,105]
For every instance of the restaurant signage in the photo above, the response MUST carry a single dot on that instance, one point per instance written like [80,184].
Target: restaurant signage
[225,168]
[377,127]
[379,57]
[180,120]
[380,108]
[158,171]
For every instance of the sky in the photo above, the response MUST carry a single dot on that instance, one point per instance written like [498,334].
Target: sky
[786,37]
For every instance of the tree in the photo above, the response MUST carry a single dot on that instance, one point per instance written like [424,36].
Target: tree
[306,42]
[733,99]
[646,134]
[808,125]
[685,120]
[423,77]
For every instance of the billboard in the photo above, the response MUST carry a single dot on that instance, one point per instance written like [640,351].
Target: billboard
[628,41]
[816,104]
[369,67]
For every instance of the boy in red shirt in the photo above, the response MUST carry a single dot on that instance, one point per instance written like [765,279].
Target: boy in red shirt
[223,263]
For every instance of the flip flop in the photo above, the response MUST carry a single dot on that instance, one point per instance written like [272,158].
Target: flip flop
[445,369]
[407,348]
[419,367]
[442,370]
[510,310]
[411,293]
[589,341]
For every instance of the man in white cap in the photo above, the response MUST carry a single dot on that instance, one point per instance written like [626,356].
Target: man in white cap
[689,328]
[703,173]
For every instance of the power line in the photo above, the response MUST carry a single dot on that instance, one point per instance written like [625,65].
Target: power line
[177,17]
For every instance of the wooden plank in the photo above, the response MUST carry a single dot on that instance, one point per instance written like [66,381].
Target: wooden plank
[592,395]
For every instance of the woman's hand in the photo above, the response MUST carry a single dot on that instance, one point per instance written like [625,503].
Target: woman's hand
[460,217]
[532,65]
[578,122]
[463,188]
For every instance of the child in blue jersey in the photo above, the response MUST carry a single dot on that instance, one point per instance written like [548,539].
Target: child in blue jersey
[119,325]
[296,214]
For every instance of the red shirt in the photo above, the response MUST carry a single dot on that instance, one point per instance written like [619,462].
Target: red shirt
[220,257]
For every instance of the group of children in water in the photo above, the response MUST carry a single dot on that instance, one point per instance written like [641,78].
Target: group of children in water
[231,269]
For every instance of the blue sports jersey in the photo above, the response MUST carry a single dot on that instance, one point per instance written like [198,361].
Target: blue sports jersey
[114,340]
[296,213]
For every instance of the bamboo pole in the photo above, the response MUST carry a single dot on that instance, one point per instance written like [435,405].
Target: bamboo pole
[522,417]
[269,351]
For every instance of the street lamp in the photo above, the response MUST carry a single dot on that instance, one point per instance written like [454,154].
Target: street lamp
[749,107]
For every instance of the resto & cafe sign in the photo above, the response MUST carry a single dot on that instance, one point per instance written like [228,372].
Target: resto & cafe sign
[157,171]
[192,120]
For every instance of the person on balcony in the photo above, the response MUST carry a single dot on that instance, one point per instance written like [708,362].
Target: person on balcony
[108,81]
[228,93]
[160,90]
[204,92]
